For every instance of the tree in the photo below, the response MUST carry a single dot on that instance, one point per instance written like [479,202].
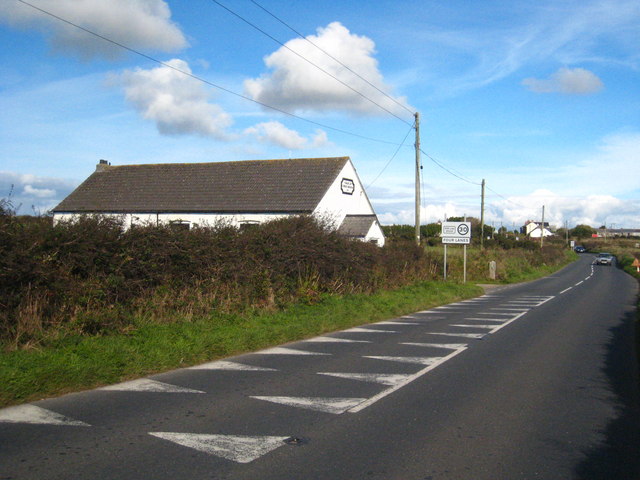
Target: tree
[582,231]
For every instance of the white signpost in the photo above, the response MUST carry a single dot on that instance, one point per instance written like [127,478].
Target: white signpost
[457,233]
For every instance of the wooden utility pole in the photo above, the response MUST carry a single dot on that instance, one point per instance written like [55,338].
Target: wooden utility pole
[542,229]
[417,115]
[482,217]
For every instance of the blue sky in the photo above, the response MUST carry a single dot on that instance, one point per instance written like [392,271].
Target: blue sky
[541,99]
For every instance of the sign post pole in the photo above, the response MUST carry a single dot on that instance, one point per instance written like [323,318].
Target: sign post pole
[445,261]
[456,233]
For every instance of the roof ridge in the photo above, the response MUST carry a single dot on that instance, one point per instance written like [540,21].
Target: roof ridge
[270,160]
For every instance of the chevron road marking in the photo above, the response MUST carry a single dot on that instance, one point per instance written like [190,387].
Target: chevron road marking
[38,416]
[240,449]
[148,385]
[335,405]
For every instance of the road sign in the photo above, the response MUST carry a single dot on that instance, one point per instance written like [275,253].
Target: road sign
[456,232]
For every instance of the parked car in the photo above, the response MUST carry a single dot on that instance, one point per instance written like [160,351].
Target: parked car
[580,249]
[604,259]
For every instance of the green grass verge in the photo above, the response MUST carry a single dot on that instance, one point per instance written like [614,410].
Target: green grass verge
[77,363]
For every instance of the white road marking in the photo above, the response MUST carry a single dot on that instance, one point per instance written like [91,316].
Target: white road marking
[287,351]
[464,335]
[333,405]
[448,346]
[240,449]
[490,327]
[499,320]
[233,366]
[367,330]
[391,379]
[38,416]
[511,309]
[334,340]
[393,322]
[565,290]
[546,299]
[409,379]
[418,360]
[508,322]
[148,385]
[494,313]
[579,283]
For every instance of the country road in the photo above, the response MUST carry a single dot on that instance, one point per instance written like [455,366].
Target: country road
[532,381]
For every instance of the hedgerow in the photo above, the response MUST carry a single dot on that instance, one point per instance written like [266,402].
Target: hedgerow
[91,276]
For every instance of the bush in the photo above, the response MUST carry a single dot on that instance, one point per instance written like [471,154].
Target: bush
[90,276]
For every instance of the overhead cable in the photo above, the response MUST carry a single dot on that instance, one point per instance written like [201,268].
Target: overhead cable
[450,172]
[400,104]
[392,157]
[200,79]
[309,61]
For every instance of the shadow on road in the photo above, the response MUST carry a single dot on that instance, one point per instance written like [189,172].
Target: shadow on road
[618,457]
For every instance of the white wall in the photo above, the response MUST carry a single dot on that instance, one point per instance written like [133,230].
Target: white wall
[193,219]
[340,201]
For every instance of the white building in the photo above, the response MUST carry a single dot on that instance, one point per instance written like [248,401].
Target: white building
[238,193]
[536,229]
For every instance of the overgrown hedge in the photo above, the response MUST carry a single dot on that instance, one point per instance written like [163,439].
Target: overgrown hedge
[91,276]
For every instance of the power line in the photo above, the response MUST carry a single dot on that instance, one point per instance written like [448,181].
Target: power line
[450,172]
[200,79]
[308,61]
[332,57]
[392,157]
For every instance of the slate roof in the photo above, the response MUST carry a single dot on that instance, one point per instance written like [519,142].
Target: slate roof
[294,185]
[356,226]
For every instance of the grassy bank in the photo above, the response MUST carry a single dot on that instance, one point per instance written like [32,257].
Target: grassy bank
[82,362]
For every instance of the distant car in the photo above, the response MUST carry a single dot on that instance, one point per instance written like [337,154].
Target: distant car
[580,249]
[604,259]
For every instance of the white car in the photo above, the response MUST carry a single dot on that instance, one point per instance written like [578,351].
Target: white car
[604,259]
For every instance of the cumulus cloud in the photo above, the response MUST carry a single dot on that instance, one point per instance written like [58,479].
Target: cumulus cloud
[294,84]
[572,81]
[31,193]
[139,24]
[277,134]
[177,103]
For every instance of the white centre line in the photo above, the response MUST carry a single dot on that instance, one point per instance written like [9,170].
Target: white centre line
[565,290]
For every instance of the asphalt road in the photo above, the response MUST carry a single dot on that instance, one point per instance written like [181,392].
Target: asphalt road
[534,381]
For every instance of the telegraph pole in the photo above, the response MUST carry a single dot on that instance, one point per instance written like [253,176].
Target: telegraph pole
[542,229]
[417,115]
[482,217]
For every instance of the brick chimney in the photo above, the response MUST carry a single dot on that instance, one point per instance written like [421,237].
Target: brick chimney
[102,166]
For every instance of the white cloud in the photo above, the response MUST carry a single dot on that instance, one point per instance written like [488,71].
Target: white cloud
[139,24]
[594,210]
[30,193]
[575,81]
[295,84]
[176,102]
[38,192]
[277,134]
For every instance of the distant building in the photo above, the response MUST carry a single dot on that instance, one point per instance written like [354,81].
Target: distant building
[535,229]
[619,232]
[241,193]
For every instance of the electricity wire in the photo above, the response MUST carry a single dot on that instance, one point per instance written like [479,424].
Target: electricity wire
[308,61]
[449,171]
[200,79]
[392,157]
[332,57]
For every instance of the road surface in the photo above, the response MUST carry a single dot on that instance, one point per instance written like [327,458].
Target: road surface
[534,381]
